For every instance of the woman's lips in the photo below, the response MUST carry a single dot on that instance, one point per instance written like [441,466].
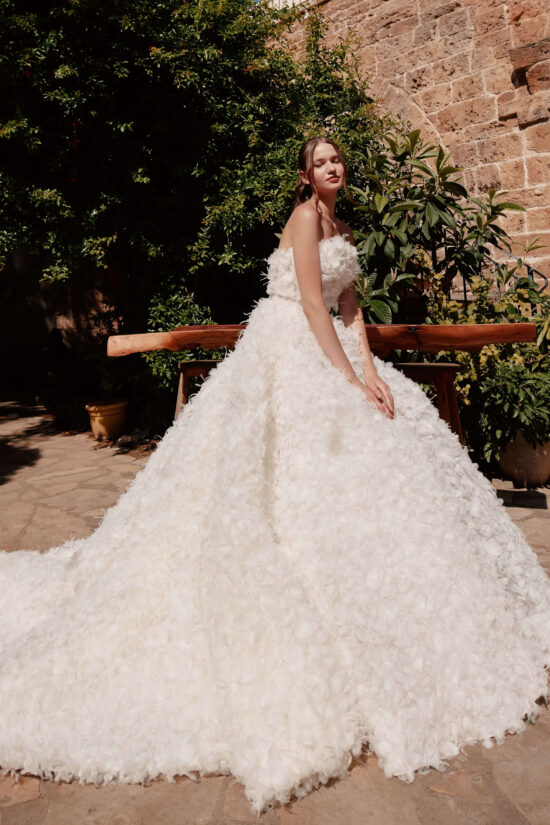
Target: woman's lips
[334,178]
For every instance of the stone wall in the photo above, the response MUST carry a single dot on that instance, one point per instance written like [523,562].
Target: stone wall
[474,75]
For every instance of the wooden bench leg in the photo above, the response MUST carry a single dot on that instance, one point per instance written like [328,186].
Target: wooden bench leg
[179,397]
[188,370]
[440,376]
[183,393]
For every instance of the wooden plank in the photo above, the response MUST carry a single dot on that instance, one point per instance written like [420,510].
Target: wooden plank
[382,337]
[209,336]
[436,337]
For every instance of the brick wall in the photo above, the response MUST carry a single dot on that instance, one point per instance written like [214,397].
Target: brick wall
[474,75]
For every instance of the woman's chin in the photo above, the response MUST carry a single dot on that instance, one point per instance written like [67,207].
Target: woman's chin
[329,188]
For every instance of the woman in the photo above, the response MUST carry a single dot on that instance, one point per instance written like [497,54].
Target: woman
[324,172]
[300,569]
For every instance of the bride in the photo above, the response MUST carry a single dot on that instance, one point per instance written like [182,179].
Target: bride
[309,563]
[323,172]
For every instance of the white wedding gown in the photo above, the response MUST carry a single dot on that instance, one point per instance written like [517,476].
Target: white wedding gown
[291,575]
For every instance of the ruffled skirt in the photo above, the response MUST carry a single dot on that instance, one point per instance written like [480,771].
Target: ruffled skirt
[290,576]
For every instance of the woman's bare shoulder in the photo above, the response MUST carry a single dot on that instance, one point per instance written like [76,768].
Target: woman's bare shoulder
[304,220]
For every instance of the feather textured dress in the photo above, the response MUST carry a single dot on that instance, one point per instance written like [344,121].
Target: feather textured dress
[290,576]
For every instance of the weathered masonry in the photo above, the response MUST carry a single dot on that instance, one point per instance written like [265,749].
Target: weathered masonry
[475,76]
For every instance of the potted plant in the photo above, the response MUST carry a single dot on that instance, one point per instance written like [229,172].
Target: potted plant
[108,418]
[108,410]
[515,420]
[504,389]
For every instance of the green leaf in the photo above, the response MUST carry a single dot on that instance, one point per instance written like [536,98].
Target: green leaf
[391,218]
[405,205]
[389,248]
[400,235]
[448,219]
[381,310]
[455,188]
[423,166]
[432,214]
[380,201]
[393,145]
[514,207]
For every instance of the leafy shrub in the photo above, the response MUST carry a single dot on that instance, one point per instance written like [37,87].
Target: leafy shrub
[493,405]
[148,150]
[514,399]
[414,218]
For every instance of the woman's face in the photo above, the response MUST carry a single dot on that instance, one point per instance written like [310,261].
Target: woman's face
[327,171]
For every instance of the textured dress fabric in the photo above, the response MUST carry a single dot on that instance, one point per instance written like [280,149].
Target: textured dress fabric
[291,576]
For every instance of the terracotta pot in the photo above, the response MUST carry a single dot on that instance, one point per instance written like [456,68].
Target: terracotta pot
[107,418]
[524,464]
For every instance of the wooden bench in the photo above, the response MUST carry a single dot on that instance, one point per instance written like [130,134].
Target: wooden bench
[440,376]
[382,339]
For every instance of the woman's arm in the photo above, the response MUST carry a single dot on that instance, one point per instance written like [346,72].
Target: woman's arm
[305,244]
[352,315]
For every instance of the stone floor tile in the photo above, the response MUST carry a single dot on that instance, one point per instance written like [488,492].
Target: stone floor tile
[34,812]
[14,790]
[82,496]
[183,802]
[520,768]
[10,493]
[536,529]
[234,807]
[51,526]
[365,796]
[20,514]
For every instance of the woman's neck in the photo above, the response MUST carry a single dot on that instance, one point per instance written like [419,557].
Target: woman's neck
[327,205]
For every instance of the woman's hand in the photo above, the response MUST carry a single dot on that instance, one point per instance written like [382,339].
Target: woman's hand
[378,392]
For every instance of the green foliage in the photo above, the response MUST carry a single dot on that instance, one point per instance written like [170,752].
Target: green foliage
[415,218]
[169,310]
[514,399]
[149,148]
[492,401]
[252,193]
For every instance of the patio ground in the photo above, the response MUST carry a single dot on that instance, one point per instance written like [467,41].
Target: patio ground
[57,485]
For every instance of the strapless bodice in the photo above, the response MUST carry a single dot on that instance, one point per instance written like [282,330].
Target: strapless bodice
[339,268]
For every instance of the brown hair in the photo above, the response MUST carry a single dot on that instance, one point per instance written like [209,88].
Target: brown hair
[305,191]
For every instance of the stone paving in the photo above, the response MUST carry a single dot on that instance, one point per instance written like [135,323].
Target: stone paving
[57,485]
